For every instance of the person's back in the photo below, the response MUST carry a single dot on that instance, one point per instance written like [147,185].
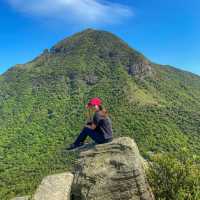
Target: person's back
[103,124]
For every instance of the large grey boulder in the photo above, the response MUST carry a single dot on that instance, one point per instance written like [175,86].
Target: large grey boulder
[55,187]
[112,171]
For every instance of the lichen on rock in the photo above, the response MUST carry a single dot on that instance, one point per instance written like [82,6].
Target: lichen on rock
[112,171]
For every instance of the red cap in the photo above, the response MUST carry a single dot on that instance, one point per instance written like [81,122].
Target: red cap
[94,102]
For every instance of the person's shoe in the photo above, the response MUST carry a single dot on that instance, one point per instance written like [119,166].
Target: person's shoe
[73,146]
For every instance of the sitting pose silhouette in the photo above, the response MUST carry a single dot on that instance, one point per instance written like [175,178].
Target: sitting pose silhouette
[98,128]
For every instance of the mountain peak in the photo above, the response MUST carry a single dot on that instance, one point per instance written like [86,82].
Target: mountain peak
[86,34]
[105,46]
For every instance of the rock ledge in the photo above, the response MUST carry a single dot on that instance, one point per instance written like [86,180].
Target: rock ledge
[112,171]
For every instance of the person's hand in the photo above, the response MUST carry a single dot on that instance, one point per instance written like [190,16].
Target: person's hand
[93,126]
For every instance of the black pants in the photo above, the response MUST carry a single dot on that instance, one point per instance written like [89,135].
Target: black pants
[97,137]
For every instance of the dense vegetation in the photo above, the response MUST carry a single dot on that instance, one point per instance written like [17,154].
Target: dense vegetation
[42,106]
[175,176]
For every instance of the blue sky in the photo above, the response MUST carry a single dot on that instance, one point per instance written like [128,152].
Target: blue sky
[167,32]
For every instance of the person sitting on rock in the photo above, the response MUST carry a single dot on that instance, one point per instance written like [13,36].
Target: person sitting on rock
[99,128]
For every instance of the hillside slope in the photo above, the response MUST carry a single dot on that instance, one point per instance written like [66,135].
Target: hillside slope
[42,105]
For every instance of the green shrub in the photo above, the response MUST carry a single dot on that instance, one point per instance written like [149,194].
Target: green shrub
[175,177]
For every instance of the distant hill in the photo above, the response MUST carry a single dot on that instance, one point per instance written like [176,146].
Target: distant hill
[42,105]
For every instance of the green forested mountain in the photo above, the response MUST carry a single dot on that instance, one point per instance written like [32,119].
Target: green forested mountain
[42,105]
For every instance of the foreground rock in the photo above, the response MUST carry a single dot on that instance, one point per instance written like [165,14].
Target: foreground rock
[55,187]
[112,171]
[21,198]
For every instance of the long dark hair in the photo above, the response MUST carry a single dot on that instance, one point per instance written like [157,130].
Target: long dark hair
[103,111]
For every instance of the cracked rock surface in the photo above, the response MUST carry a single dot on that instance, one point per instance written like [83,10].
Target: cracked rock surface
[112,171]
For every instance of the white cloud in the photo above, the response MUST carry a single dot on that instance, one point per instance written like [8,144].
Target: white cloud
[84,11]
